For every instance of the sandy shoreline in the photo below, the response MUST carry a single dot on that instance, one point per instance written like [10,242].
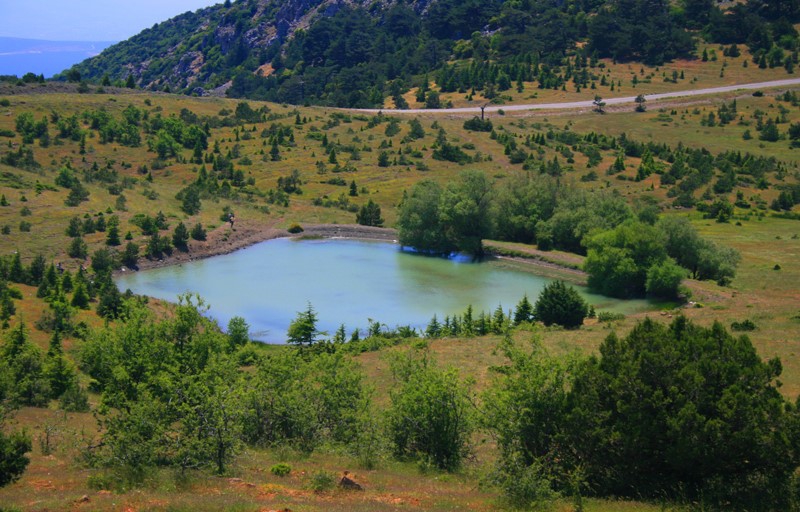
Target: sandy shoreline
[225,240]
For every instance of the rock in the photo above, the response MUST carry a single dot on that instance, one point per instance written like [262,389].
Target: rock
[349,484]
[83,499]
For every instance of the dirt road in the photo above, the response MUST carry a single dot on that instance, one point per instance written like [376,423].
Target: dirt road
[576,105]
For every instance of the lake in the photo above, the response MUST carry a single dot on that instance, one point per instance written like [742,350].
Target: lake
[347,282]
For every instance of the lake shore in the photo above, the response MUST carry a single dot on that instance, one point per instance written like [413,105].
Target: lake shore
[226,239]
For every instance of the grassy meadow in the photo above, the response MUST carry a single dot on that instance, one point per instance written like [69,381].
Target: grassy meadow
[766,289]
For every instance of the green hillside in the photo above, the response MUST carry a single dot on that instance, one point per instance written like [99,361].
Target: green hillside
[368,54]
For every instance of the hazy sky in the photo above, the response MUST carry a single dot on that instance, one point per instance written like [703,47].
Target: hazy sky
[88,20]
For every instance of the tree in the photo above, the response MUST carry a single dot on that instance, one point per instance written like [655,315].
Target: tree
[526,408]
[599,104]
[198,232]
[664,279]
[80,298]
[171,393]
[465,211]
[112,236]
[110,304]
[523,312]
[560,304]
[684,411]
[618,259]
[370,214]
[383,159]
[25,369]
[640,103]
[13,447]
[418,220]
[416,131]
[429,417]
[130,256]
[180,237]
[238,332]
[303,329]
[191,201]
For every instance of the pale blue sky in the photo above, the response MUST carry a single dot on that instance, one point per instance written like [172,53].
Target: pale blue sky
[88,20]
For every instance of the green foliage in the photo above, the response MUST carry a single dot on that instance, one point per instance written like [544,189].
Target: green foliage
[170,392]
[698,414]
[180,237]
[370,214]
[280,469]
[304,401]
[744,325]
[477,124]
[24,364]
[13,460]
[526,409]
[618,260]
[302,330]
[676,412]
[191,201]
[295,229]
[321,481]
[440,221]
[664,279]
[238,332]
[430,415]
[198,232]
[703,258]
[560,304]
[524,311]
[130,255]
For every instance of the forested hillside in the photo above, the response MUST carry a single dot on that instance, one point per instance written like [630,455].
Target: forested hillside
[359,54]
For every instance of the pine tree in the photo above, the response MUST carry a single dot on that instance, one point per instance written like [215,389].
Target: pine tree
[523,311]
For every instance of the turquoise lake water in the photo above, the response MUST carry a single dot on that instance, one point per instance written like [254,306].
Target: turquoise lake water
[347,282]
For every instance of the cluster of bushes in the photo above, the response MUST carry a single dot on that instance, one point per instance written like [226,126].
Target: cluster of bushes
[677,412]
[558,304]
[628,253]
[669,412]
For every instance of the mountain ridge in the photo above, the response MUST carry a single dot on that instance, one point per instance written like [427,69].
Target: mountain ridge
[356,53]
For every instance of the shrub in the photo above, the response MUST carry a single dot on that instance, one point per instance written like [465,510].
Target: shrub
[745,325]
[429,418]
[280,469]
[560,304]
[322,481]
[664,279]
[607,316]
[295,228]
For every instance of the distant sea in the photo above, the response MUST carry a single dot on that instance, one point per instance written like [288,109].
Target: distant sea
[20,56]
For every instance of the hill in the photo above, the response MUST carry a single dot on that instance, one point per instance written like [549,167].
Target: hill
[372,54]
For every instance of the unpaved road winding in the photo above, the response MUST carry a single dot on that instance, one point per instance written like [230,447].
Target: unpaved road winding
[576,105]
